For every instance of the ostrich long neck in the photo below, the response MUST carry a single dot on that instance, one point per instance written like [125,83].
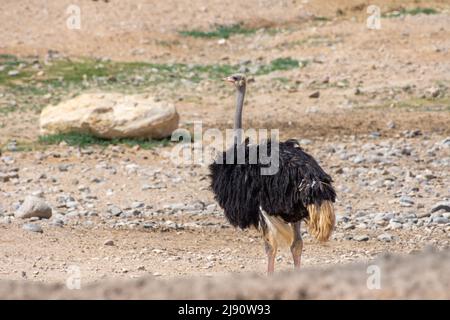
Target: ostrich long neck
[238,116]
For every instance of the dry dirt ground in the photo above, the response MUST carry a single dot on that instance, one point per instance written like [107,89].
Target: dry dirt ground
[422,276]
[380,127]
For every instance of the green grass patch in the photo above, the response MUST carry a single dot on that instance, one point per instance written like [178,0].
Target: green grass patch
[84,139]
[321,18]
[9,63]
[39,85]
[220,31]
[411,12]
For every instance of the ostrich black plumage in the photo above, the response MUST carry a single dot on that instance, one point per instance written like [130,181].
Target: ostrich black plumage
[274,203]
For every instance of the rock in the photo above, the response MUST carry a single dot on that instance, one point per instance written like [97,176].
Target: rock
[115,211]
[348,226]
[315,95]
[64,167]
[358,159]
[445,206]
[440,220]
[211,208]
[109,243]
[137,205]
[111,115]
[395,225]
[446,142]
[34,207]
[32,227]
[406,201]
[361,238]
[13,73]
[38,193]
[385,237]
[57,222]
[423,215]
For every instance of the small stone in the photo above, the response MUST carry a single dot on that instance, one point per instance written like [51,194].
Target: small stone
[441,220]
[13,73]
[385,237]
[115,211]
[32,227]
[406,201]
[358,159]
[315,95]
[57,222]
[444,206]
[64,167]
[446,142]
[38,193]
[361,238]
[395,225]
[423,215]
[109,243]
[137,205]
[349,226]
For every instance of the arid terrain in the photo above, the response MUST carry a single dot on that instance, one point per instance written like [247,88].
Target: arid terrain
[371,105]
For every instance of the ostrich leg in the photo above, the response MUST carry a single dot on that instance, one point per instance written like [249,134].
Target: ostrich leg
[297,244]
[271,251]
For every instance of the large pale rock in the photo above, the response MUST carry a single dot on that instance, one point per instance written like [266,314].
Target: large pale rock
[111,115]
[34,207]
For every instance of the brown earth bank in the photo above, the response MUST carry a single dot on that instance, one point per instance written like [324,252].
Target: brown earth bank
[372,106]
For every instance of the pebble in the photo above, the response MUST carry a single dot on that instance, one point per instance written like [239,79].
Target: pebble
[115,211]
[444,206]
[32,227]
[358,159]
[423,215]
[395,225]
[385,237]
[108,242]
[57,222]
[361,238]
[64,167]
[406,201]
[441,220]
[315,95]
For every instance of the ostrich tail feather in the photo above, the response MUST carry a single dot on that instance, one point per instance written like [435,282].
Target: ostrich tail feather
[321,220]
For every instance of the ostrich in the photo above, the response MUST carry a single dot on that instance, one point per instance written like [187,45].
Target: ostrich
[274,204]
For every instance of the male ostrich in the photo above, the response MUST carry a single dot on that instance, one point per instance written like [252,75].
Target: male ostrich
[275,204]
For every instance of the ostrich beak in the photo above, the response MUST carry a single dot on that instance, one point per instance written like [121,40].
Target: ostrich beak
[228,79]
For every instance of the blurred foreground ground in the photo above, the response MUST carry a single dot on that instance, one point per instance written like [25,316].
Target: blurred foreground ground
[379,125]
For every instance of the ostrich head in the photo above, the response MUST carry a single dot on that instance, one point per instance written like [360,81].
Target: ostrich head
[238,79]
